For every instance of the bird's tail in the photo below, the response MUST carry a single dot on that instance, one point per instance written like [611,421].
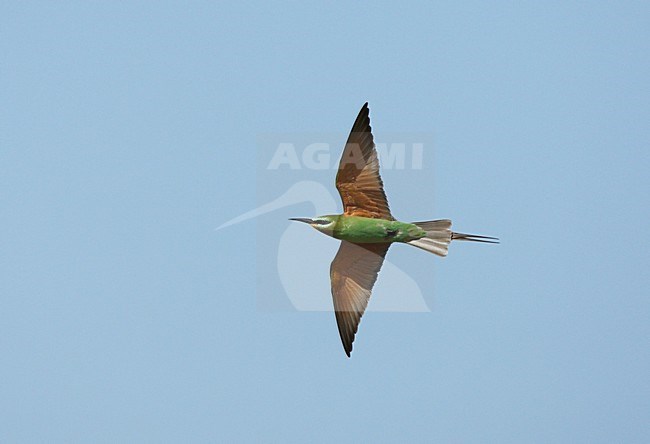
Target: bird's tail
[439,236]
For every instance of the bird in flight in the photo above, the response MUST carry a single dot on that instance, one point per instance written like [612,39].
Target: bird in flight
[367,229]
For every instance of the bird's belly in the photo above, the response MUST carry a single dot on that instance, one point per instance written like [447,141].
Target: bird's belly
[366,230]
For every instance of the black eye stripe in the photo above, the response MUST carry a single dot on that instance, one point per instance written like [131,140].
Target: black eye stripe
[321,222]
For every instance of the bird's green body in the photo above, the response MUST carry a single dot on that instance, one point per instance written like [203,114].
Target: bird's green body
[368,230]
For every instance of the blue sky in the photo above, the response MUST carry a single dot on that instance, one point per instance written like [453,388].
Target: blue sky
[128,132]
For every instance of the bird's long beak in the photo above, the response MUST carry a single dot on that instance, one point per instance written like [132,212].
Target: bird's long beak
[302,219]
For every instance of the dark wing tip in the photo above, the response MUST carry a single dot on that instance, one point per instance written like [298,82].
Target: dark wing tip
[364,111]
[361,126]
[347,346]
[347,331]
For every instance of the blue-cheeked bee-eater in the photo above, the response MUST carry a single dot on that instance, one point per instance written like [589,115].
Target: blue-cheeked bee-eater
[367,229]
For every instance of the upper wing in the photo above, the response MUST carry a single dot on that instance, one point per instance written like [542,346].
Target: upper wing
[358,180]
[353,273]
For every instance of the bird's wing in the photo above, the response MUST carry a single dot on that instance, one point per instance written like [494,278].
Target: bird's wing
[358,180]
[353,273]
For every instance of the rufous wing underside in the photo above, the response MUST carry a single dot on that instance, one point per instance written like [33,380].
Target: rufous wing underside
[358,179]
[353,274]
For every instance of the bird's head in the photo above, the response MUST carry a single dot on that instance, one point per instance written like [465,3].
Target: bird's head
[323,224]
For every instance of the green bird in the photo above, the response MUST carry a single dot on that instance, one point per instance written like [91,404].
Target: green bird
[367,229]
